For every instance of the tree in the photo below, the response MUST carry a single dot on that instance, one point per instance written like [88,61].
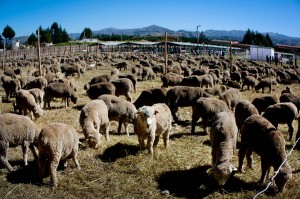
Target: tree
[1,42]
[65,36]
[257,39]
[56,32]
[32,39]
[268,38]
[8,33]
[86,33]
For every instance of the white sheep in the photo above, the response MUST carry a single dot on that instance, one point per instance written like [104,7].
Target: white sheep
[223,138]
[93,119]
[56,142]
[16,130]
[150,123]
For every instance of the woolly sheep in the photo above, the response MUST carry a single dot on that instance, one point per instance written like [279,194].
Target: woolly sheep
[17,130]
[93,119]
[231,97]
[38,95]
[11,86]
[171,79]
[25,102]
[119,110]
[56,142]
[243,110]
[217,90]
[151,122]
[206,108]
[124,86]
[183,96]
[96,90]
[289,97]
[267,82]
[262,103]
[37,82]
[223,138]
[282,113]
[99,79]
[151,96]
[249,81]
[260,136]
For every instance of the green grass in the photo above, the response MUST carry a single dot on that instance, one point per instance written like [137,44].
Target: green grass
[119,170]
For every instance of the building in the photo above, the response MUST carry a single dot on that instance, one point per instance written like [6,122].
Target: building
[259,53]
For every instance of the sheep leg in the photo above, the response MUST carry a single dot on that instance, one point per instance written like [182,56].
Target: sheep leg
[25,151]
[33,151]
[195,118]
[264,170]
[74,157]
[3,157]
[156,140]
[126,128]
[105,131]
[291,130]
[249,158]
[174,111]
[42,166]
[150,144]
[141,142]
[166,137]
[120,126]
[242,153]
[52,168]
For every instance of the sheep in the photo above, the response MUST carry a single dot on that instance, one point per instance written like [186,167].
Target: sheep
[267,82]
[17,130]
[119,110]
[193,80]
[233,84]
[95,90]
[206,108]
[260,136]
[262,103]
[99,79]
[289,97]
[124,86]
[281,113]
[11,86]
[287,90]
[56,142]
[9,72]
[249,81]
[298,135]
[59,90]
[93,119]
[25,102]
[71,70]
[38,95]
[171,79]
[131,77]
[243,110]
[183,96]
[147,73]
[151,96]
[37,82]
[223,137]
[217,90]
[151,122]
[231,97]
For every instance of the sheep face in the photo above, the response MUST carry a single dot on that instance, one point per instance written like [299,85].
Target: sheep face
[74,98]
[222,172]
[38,112]
[147,115]
[281,179]
[93,140]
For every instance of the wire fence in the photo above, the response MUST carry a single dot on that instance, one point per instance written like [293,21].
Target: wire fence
[275,174]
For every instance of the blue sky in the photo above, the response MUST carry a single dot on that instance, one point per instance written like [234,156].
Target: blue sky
[25,16]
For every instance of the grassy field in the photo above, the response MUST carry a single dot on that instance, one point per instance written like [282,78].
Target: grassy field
[119,170]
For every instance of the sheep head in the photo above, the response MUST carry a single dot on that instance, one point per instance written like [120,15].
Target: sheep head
[222,172]
[285,173]
[147,115]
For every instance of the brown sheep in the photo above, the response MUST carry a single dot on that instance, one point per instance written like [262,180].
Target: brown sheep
[171,79]
[38,95]
[231,97]
[17,130]
[267,82]
[93,119]
[289,97]
[262,103]
[56,142]
[260,136]
[59,90]
[96,90]
[183,96]
[131,77]
[11,86]
[99,79]
[119,110]
[124,86]
[243,110]
[282,113]
[249,81]
[223,138]
[217,90]
[206,108]
[37,82]
[151,96]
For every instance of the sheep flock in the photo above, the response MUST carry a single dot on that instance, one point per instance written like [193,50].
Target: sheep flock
[200,153]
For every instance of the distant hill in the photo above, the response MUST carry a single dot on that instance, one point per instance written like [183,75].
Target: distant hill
[154,30]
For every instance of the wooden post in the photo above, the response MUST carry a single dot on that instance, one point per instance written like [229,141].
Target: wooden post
[39,53]
[3,58]
[230,56]
[166,52]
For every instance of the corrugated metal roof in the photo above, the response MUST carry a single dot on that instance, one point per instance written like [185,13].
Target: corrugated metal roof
[111,43]
[142,43]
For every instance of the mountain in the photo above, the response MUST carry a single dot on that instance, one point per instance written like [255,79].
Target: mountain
[154,30]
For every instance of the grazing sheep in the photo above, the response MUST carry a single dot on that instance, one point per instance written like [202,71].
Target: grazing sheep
[249,81]
[9,72]
[282,113]
[206,108]
[38,95]
[25,102]
[233,84]
[56,142]
[262,103]
[11,86]
[243,110]
[231,97]
[267,82]
[260,136]
[93,119]
[71,70]
[96,90]
[151,122]
[171,79]
[99,79]
[183,96]
[131,77]
[223,138]
[289,97]
[37,82]
[17,130]
[124,86]
[147,73]
[151,96]
[59,90]
[119,110]
[287,90]
[217,90]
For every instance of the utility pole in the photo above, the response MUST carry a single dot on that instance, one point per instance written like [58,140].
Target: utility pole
[39,53]
[3,58]
[230,56]
[198,38]
[166,52]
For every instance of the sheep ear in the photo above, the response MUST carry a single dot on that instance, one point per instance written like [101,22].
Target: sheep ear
[155,112]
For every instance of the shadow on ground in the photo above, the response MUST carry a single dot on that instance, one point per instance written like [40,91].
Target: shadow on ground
[117,151]
[195,183]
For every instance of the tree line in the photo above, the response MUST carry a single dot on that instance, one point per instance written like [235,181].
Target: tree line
[256,38]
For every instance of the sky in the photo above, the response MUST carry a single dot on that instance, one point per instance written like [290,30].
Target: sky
[278,16]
